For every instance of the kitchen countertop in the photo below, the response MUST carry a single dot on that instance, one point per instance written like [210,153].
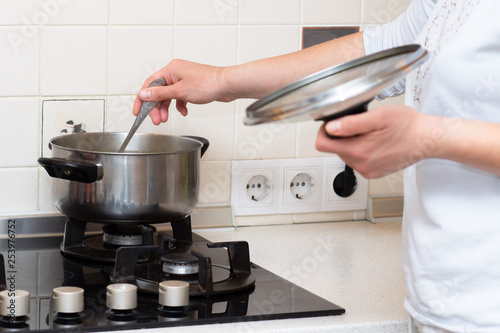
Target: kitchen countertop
[356,265]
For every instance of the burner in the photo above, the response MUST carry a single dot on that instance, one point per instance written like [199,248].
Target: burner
[122,235]
[211,279]
[179,264]
[102,248]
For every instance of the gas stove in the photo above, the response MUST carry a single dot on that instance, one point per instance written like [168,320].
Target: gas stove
[135,277]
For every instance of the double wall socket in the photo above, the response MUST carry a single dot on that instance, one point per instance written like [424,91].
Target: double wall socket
[287,186]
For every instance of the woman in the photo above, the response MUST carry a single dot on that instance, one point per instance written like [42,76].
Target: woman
[446,137]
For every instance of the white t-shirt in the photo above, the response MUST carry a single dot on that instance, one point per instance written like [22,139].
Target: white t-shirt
[451,224]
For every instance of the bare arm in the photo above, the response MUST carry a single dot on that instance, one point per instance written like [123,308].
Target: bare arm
[474,143]
[189,82]
[261,77]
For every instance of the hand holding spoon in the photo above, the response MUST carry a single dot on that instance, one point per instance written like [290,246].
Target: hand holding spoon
[146,108]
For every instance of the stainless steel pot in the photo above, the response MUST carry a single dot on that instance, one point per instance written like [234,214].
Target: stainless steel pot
[155,180]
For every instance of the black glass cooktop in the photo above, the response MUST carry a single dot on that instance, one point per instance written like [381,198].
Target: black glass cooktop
[38,266]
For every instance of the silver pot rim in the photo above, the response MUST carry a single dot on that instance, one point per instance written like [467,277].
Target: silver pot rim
[53,143]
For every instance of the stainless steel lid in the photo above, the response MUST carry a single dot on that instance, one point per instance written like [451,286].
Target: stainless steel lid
[330,93]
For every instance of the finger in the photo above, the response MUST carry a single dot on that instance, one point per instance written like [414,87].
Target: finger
[159,93]
[181,107]
[138,101]
[325,143]
[137,106]
[352,125]
[342,146]
[164,111]
[153,77]
[155,115]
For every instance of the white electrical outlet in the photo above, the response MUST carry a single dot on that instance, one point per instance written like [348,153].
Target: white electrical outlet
[301,185]
[331,201]
[295,185]
[253,187]
[258,188]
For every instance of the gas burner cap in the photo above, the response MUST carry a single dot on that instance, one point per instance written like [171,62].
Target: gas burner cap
[180,263]
[122,235]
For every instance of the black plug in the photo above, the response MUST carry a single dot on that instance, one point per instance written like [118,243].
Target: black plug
[345,183]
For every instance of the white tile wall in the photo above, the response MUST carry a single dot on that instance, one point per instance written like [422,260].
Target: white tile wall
[215,182]
[215,122]
[19,190]
[331,12]
[46,203]
[19,60]
[75,12]
[91,57]
[15,12]
[390,184]
[140,12]
[306,139]
[73,60]
[256,42]
[214,45]
[135,53]
[264,141]
[379,12]
[20,131]
[197,12]
[270,12]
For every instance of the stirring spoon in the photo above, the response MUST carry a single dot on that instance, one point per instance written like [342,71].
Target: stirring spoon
[146,108]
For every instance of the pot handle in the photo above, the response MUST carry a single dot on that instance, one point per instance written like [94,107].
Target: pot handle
[345,183]
[202,140]
[363,107]
[77,171]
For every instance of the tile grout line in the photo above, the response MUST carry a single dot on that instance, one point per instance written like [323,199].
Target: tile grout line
[237,61]
[361,14]
[171,118]
[300,47]
[40,116]
[105,116]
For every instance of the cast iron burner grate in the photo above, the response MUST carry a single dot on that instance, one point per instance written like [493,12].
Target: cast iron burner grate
[224,276]
[103,247]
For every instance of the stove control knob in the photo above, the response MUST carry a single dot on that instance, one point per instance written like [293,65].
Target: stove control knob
[67,299]
[174,293]
[121,296]
[14,303]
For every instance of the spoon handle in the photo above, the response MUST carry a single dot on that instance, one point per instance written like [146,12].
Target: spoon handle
[146,108]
